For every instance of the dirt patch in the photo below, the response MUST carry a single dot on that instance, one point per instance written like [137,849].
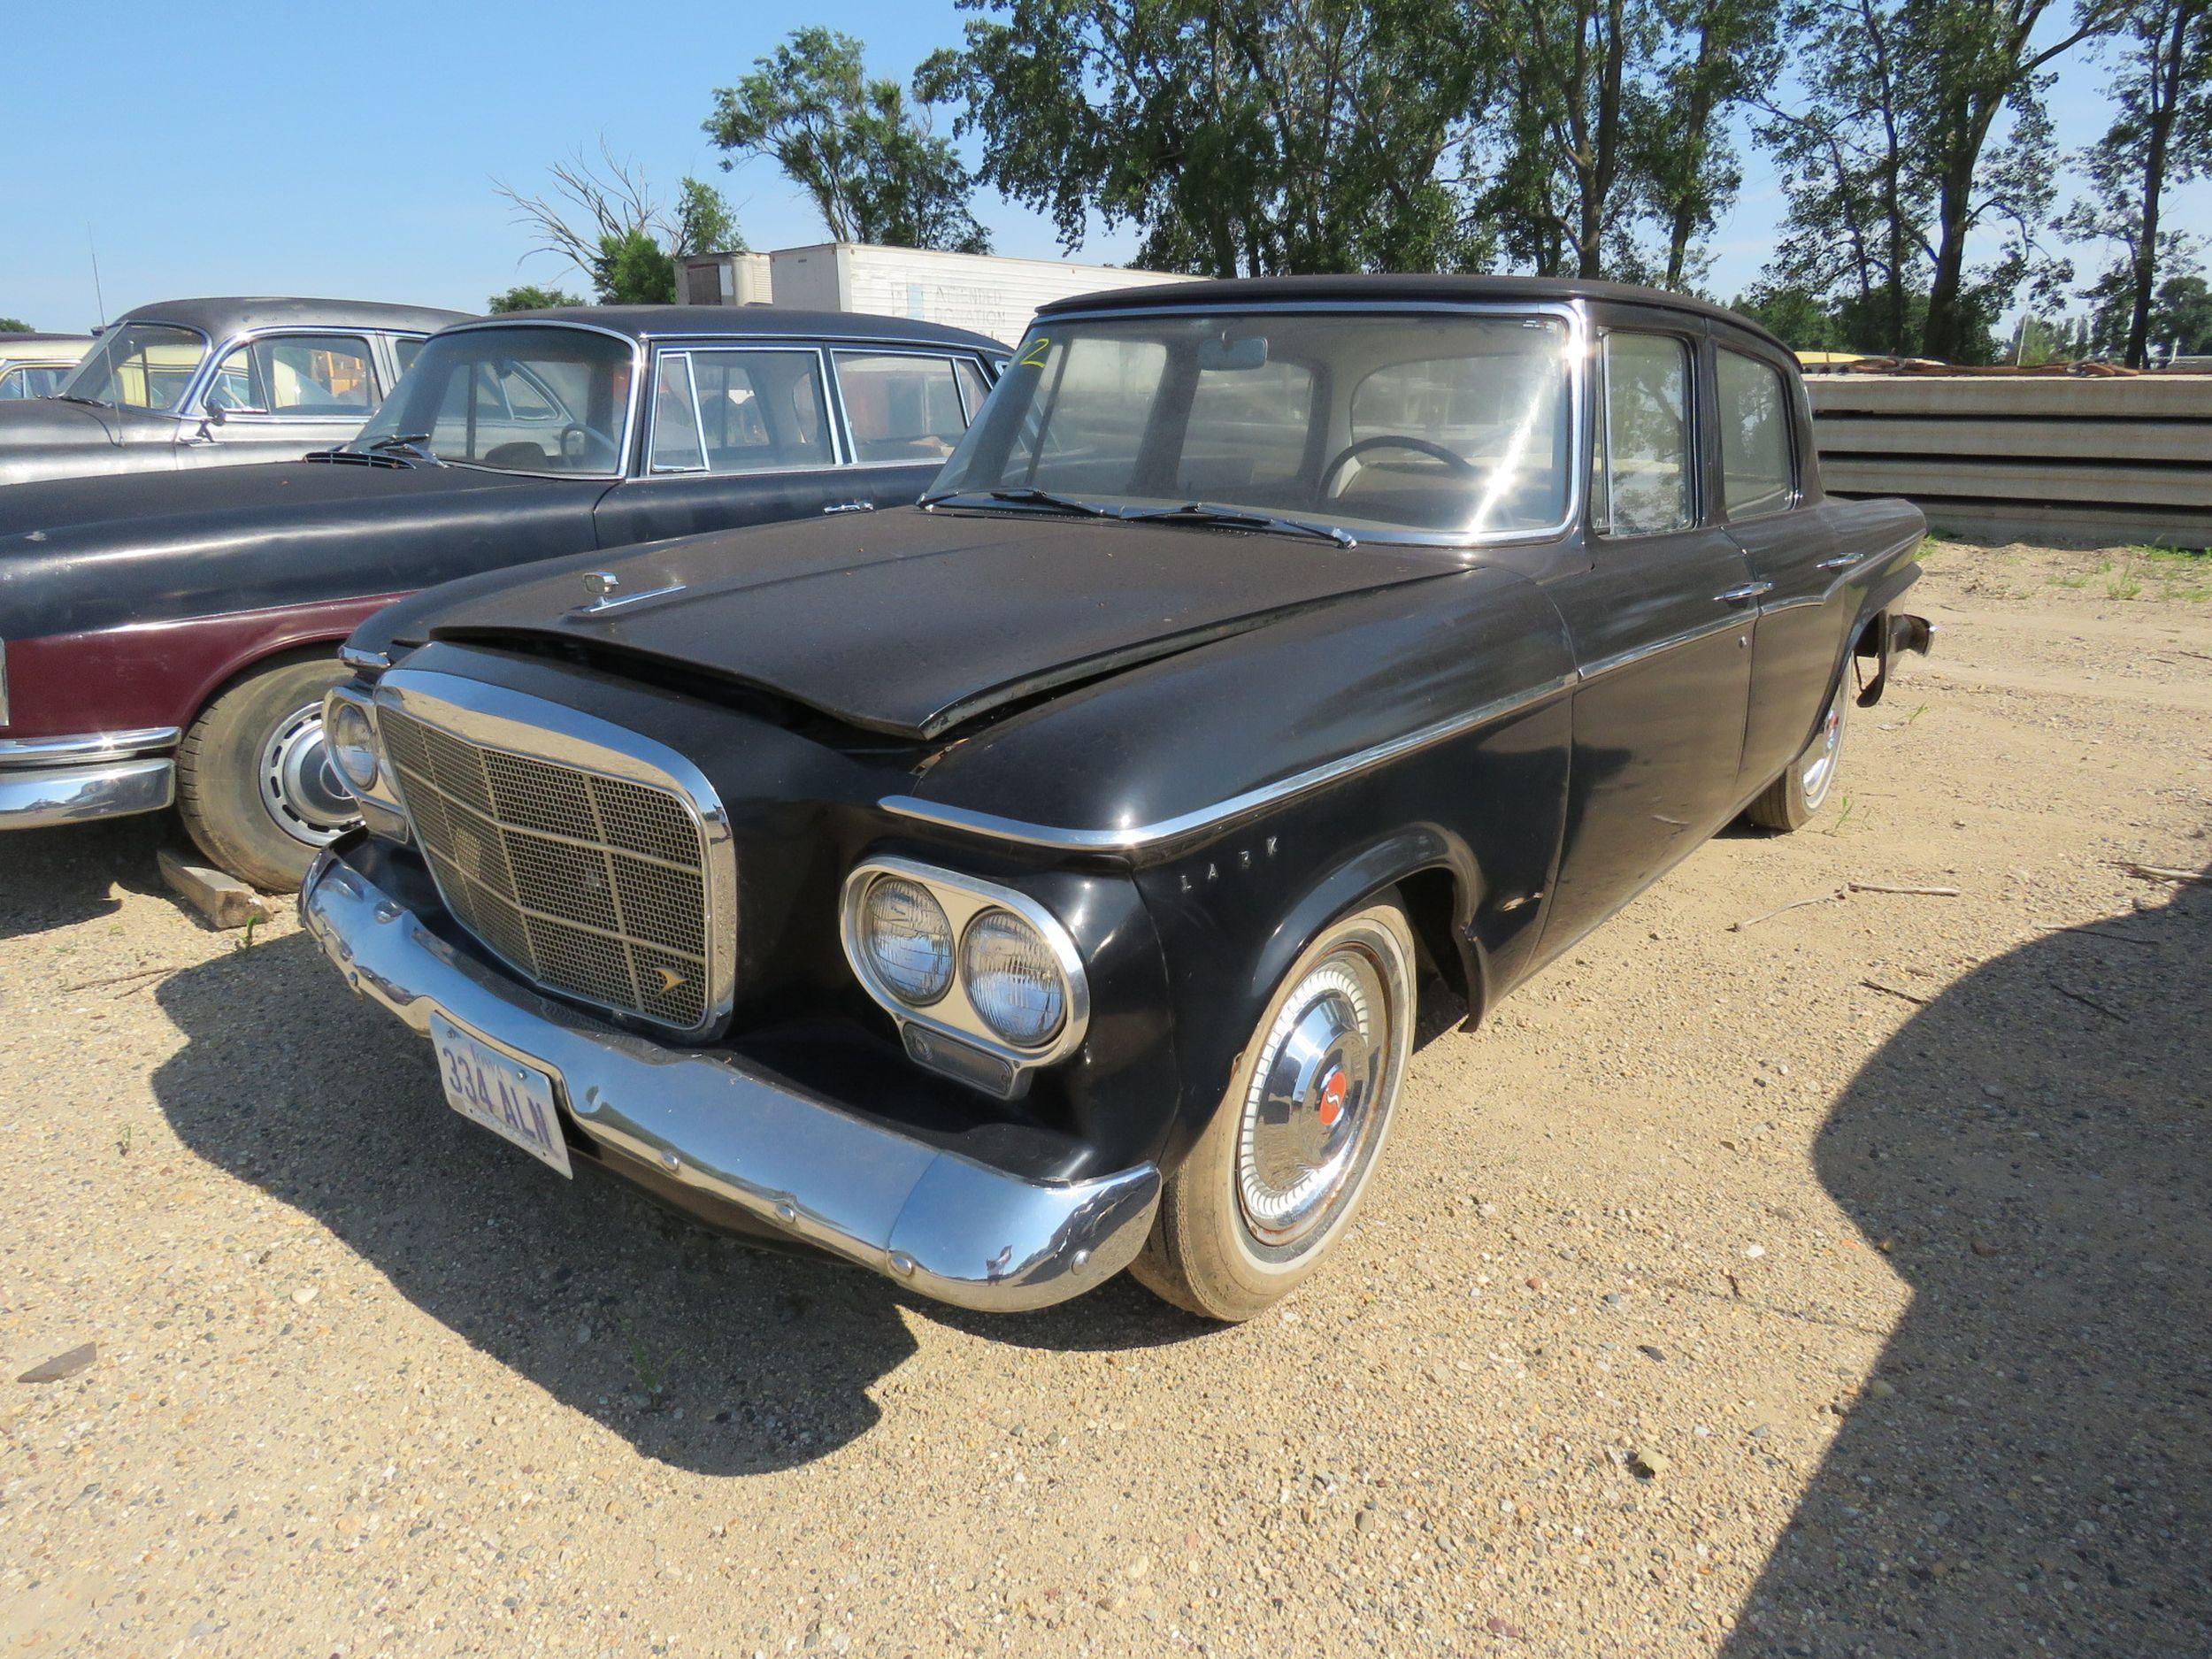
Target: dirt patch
[1836,1285]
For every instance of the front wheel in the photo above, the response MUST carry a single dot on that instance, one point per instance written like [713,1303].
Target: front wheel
[1790,799]
[256,785]
[1279,1172]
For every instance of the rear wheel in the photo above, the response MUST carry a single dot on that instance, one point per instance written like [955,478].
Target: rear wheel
[1790,799]
[256,785]
[1280,1172]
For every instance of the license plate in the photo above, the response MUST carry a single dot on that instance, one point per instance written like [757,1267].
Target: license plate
[513,1101]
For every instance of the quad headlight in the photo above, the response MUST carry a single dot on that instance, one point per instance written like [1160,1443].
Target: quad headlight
[1014,983]
[908,939]
[352,742]
[986,983]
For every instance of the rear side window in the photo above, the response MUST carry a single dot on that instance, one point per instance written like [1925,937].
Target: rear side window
[1754,437]
[1642,482]
[900,408]
[306,376]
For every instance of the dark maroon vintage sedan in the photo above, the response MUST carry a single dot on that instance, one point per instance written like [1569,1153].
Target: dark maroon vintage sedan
[1039,881]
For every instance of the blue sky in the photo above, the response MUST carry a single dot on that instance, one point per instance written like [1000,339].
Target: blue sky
[315,149]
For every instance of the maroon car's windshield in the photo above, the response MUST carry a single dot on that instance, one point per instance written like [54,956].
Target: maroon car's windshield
[1451,427]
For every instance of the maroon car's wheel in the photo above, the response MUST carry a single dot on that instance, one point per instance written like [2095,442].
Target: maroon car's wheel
[1279,1173]
[256,785]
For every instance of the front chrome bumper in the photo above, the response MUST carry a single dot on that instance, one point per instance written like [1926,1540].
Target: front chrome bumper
[944,1224]
[71,779]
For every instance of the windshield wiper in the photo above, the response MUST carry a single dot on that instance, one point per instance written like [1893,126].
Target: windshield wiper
[1201,512]
[1028,495]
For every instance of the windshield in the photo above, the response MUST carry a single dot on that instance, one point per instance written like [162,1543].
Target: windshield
[1437,426]
[138,365]
[529,397]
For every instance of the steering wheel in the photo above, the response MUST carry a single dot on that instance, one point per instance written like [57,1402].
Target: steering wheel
[582,444]
[1390,441]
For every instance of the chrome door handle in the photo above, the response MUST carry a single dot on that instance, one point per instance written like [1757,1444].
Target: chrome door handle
[851,506]
[1744,593]
[1837,563]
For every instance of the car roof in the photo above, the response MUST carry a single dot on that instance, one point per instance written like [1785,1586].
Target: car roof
[9,342]
[217,317]
[654,322]
[1370,289]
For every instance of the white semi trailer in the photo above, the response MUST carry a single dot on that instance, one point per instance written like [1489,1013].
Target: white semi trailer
[982,292]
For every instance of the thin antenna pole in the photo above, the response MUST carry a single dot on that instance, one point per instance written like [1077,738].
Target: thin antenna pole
[98,297]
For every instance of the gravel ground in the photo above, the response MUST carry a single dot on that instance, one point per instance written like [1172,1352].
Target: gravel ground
[1834,1284]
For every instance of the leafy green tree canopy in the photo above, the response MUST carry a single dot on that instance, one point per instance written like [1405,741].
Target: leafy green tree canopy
[853,142]
[15,325]
[528,297]
[603,217]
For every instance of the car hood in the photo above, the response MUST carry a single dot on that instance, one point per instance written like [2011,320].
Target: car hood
[916,622]
[48,423]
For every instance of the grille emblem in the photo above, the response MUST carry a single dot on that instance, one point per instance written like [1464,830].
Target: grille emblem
[670,980]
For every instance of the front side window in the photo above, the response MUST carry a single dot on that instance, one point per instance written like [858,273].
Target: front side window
[1449,427]
[520,398]
[1754,437]
[1641,482]
[308,377]
[728,409]
[138,365]
[900,408]
[31,380]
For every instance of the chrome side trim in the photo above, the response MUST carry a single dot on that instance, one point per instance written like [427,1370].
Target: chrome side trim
[1136,838]
[940,1223]
[534,728]
[50,751]
[1642,653]
[47,796]
[962,899]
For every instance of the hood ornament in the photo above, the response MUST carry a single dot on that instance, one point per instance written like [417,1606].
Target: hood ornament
[605,586]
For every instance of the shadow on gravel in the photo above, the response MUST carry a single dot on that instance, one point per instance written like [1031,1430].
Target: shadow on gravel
[704,1353]
[2040,1480]
[57,877]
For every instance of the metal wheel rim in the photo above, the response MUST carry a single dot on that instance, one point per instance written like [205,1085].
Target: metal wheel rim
[301,788]
[1316,1101]
[1819,771]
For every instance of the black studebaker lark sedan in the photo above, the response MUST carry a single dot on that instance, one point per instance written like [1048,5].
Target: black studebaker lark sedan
[1039,881]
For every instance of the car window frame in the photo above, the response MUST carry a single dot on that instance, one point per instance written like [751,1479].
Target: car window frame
[664,350]
[1693,465]
[947,355]
[377,391]
[1791,438]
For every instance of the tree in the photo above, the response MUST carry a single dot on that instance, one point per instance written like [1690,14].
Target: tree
[603,219]
[2160,136]
[876,171]
[1801,319]
[528,296]
[1895,158]
[1691,168]
[15,325]
[1241,137]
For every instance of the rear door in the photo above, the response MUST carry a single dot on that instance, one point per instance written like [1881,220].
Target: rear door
[1662,617]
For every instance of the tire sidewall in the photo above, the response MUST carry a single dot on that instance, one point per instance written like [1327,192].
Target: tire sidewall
[1231,1273]
[218,786]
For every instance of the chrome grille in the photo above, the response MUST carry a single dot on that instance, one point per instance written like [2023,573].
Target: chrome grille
[593,886]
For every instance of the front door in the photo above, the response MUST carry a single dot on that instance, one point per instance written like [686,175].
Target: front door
[1662,616]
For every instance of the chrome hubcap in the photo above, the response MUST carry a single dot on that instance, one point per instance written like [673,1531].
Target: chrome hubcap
[300,785]
[1311,1108]
[1820,764]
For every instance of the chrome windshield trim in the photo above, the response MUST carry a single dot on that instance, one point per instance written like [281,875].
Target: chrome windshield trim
[1138,838]
[88,745]
[496,717]
[1573,313]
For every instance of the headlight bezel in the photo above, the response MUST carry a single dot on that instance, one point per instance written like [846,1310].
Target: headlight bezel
[381,809]
[963,899]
